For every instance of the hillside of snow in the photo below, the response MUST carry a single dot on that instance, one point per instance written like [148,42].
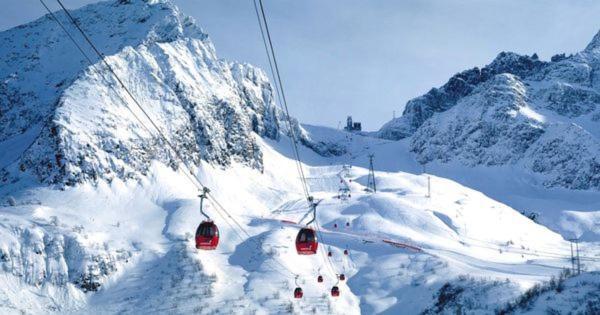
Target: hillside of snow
[540,118]
[64,120]
[127,246]
[98,215]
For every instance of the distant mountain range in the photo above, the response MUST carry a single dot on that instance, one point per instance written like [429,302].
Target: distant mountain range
[541,117]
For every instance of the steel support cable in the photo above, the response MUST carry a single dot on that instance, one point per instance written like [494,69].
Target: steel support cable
[520,251]
[194,180]
[539,253]
[109,84]
[277,78]
[327,258]
[249,237]
[320,236]
[92,64]
[278,94]
[297,209]
[122,84]
[279,84]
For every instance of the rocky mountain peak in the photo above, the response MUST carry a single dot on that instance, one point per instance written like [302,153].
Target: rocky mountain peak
[74,118]
[520,65]
[594,44]
[513,112]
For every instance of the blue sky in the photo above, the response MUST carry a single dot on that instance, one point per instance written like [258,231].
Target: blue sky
[367,58]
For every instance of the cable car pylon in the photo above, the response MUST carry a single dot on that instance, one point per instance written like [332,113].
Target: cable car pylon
[371,185]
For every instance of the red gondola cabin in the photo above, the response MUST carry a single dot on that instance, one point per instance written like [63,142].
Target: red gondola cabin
[342,277]
[207,236]
[335,291]
[320,279]
[306,242]
[298,293]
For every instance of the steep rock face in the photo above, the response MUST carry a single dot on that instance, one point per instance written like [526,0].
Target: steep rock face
[437,100]
[594,45]
[543,117]
[207,107]
[489,127]
[568,156]
[55,255]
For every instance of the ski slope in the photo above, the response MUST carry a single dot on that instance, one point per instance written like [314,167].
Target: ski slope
[136,238]
[572,213]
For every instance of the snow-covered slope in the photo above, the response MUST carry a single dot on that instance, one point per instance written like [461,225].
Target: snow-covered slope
[541,117]
[65,121]
[572,213]
[131,241]
[570,293]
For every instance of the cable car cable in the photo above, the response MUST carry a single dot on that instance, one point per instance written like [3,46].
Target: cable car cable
[194,180]
[122,84]
[278,81]
[278,94]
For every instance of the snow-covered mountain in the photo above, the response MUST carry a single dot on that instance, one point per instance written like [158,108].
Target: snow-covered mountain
[96,216]
[75,112]
[541,117]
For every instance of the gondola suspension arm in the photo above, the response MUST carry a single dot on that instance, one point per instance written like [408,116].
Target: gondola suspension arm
[313,210]
[203,196]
